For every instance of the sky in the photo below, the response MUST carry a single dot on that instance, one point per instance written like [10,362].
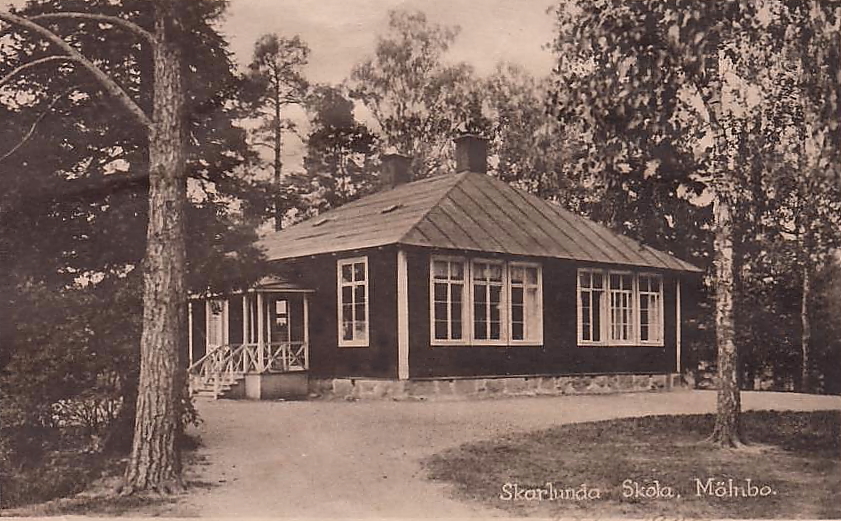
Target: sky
[342,33]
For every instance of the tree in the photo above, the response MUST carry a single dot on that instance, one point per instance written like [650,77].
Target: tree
[692,78]
[340,153]
[155,460]
[417,101]
[277,81]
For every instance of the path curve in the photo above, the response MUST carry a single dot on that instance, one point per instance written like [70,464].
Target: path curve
[362,459]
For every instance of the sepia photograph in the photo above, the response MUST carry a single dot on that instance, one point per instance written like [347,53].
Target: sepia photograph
[400,259]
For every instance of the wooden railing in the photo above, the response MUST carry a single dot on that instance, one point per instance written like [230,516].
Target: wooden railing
[223,364]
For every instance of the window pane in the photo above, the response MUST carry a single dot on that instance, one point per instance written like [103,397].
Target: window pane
[479,271]
[455,310]
[347,330]
[456,290]
[440,329]
[457,329]
[457,271]
[347,294]
[359,271]
[440,311]
[531,275]
[347,273]
[439,269]
[517,275]
[480,331]
[359,293]
[495,272]
[516,295]
[480,294]
[517,331]
[517,314]
[598,280]
[597,317]
[359,330]
[495,331]
[440,292]
[359,311]
[584,279]
[347,313]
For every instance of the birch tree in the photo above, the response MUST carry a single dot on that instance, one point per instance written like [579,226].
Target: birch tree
[155,459]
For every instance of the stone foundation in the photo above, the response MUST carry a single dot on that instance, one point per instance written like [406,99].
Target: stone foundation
[489,387]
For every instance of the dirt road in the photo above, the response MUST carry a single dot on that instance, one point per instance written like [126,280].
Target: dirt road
[346,459]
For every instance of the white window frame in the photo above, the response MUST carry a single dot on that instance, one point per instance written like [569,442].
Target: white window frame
[602,310]
[503,305]
[661,333]
[339,285]
[605,314]
[633,298]
[468,299]
[538,338]
[466,317]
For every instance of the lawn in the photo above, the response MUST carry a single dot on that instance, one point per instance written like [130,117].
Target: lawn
[655,466]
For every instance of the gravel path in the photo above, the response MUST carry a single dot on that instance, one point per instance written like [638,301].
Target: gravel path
[362,459]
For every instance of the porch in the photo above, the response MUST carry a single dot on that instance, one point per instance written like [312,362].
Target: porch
[252,344]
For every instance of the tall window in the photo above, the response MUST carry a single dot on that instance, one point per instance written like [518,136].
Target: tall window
[487,300]
[590,296]
[526,306]
[651,308]
[448,299]
[619,308]
[353,302]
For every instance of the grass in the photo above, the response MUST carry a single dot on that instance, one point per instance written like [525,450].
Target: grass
[796,455]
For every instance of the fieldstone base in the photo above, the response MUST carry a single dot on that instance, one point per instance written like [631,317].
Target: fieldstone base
[490,387]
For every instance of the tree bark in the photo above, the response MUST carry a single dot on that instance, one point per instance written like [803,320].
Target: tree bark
[155,462]
[805,333]
[278,158]
[727,431]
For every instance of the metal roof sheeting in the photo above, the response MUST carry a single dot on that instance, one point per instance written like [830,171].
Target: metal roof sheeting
[465,211]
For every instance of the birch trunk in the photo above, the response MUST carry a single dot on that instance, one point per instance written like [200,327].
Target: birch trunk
[727,431]
[155,462]
[805,333]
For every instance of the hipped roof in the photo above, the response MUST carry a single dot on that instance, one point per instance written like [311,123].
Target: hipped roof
[464,211]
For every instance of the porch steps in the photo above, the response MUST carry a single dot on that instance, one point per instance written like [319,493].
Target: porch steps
[209,389]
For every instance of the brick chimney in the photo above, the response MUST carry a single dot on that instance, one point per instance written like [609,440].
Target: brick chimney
[395,170]
[471,153]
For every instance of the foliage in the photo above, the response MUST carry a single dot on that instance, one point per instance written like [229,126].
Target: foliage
[338,166]
[417,100]
[73,218]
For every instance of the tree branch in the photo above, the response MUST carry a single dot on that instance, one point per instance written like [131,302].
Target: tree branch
[31,131]
[110,85]
[7,78]
[113,20]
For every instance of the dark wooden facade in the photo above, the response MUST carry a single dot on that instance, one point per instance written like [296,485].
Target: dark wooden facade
[558,355]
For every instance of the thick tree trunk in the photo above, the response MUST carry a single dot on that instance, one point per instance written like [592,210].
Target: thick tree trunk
[727,430]
[155,462]
[805,333]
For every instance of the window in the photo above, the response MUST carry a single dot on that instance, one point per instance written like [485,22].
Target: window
[526,307]
[590,297]
[485,302]
[651,308]
[619,308]
[353,302]
[448,299]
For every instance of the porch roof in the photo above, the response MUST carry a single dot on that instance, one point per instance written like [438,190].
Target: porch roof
[465,211]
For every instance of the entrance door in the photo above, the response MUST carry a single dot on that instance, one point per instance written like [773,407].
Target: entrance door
[279,329]
[217,327]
